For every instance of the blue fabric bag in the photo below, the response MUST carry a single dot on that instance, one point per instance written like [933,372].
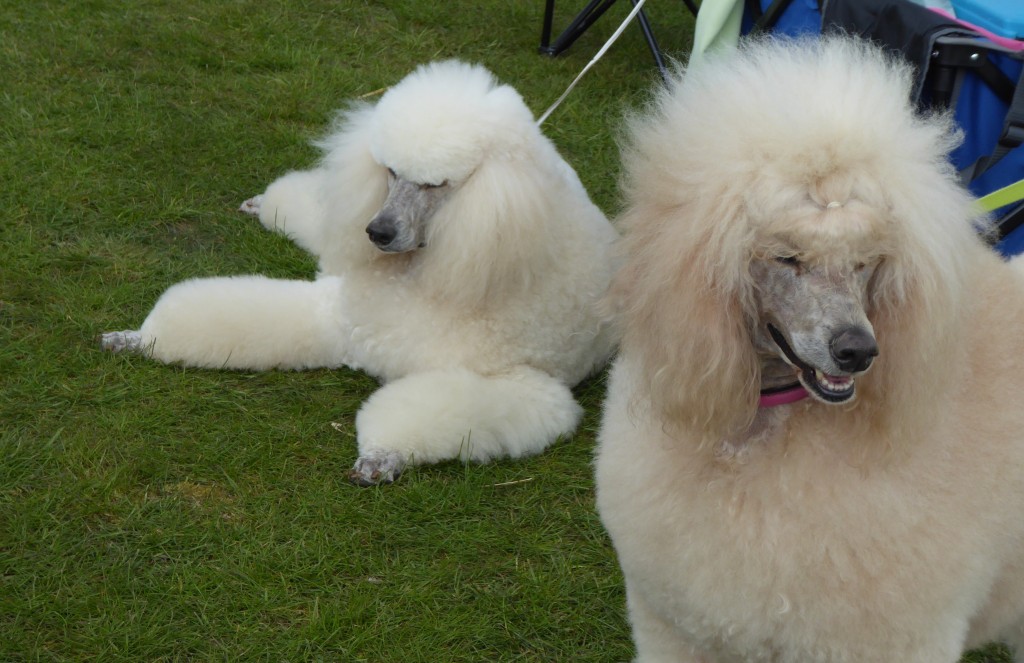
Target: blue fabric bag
[788,17]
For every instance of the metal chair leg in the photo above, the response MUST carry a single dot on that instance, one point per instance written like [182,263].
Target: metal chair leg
[587,16]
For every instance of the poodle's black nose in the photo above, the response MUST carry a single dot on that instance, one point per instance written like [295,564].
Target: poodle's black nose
[382,231]
[853,349]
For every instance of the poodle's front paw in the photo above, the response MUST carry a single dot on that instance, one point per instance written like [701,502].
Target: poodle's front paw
[120,341]
[377,467]
[252,206]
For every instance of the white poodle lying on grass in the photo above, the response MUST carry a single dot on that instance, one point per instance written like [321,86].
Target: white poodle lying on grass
[460,262]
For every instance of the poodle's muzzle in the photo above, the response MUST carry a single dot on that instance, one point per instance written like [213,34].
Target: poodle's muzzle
[851,350]
[813,319]
[401,223]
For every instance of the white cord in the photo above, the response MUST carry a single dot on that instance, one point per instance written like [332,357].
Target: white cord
[600,53]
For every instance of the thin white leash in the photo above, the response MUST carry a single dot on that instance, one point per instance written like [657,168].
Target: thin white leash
[600,53]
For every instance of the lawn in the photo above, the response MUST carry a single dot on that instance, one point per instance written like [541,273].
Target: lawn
[155,513]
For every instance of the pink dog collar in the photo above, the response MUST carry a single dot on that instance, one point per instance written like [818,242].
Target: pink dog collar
[783,396]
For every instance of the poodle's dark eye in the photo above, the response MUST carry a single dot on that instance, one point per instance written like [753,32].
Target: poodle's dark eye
[860,266]
[788,260]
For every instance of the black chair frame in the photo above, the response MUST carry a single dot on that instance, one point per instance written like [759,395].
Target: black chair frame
[587,17]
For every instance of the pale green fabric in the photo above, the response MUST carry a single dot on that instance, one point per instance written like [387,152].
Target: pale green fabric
[718,26]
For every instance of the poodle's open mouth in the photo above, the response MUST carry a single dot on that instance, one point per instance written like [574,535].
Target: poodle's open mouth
[828,388]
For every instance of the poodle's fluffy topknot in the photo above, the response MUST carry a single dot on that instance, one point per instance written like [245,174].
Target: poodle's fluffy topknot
[420,126]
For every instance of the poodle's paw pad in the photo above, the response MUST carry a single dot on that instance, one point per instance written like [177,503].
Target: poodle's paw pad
[377,467]
[252,206]
[120,341]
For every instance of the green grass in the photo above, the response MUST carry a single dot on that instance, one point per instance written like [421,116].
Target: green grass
[153,513]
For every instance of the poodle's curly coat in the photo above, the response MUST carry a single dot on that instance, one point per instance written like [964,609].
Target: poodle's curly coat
[478,328]
[885,528]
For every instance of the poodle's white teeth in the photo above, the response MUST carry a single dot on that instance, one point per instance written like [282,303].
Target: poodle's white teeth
[833,383]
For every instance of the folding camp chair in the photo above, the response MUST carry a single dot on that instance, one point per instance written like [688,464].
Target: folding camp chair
[587,17]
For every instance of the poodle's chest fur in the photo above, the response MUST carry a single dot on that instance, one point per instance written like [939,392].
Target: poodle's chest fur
[778,547]
[760,561]
[373,311]
[764,432]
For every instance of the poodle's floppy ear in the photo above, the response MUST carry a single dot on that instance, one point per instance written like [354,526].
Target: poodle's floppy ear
[683,295]
[493,237]
[356,188]
[917,300]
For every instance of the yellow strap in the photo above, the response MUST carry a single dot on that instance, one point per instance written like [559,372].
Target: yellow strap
[1001,197]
